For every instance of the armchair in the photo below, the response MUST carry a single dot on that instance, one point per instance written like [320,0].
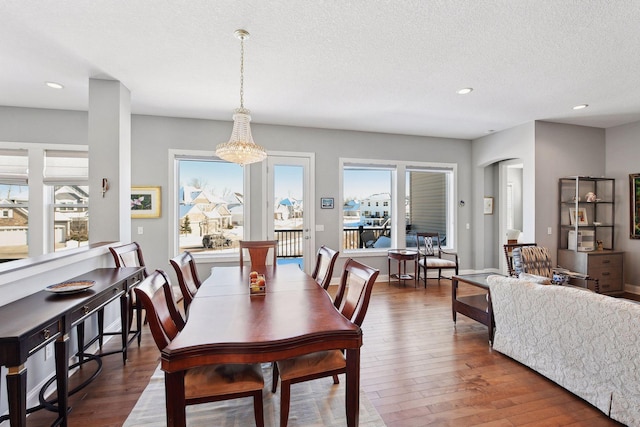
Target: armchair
[430,255]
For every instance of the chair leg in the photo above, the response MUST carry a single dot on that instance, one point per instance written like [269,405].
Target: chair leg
[336,380]
[285,396]
[139,321]
[274,379]
[258,411]
[80,331]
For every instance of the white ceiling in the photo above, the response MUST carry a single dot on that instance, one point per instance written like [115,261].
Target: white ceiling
[371,65]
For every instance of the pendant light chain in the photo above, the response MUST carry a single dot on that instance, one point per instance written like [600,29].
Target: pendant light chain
[242,72]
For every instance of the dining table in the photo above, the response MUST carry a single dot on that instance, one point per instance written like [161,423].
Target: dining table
[226,324]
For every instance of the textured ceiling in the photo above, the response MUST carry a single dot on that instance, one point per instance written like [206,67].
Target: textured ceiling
[384,66]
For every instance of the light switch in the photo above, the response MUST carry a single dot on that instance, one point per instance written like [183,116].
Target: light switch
[549,231]
[319,227]
[140,230]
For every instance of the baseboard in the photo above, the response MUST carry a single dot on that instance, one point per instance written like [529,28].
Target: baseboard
[633,289]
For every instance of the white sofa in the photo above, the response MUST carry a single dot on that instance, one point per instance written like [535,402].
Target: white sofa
[586,342]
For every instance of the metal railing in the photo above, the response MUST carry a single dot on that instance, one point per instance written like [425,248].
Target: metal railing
[291,241]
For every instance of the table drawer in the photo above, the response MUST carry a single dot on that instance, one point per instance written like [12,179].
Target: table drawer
[43,336]
[609,262]
[95,304]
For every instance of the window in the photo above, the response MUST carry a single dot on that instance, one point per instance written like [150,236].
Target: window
[14,204]
[366,185]
[422,202]
[429,203]
[36,218]
[210,205]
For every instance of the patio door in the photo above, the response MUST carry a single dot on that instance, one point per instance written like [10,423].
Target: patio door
[290,210]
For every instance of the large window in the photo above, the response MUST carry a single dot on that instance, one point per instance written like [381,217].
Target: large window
[210,205]
[44,199]
[381,211]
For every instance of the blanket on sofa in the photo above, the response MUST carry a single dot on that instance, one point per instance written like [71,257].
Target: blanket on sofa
[586,342]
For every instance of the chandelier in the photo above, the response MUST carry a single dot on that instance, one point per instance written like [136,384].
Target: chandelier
[240,148]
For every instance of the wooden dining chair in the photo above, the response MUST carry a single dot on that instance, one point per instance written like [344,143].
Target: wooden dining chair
[208,383]
[258,253]
[127,255]
[325,261]
[185,268]
[354,292]
[430,256]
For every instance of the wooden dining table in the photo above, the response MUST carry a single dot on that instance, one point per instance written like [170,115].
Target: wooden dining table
[228,325]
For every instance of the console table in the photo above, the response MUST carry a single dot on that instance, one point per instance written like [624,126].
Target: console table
[30,323]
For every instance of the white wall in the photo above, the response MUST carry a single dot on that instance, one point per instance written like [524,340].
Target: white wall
[622,154]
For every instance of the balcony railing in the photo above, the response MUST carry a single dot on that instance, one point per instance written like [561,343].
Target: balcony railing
[291,241]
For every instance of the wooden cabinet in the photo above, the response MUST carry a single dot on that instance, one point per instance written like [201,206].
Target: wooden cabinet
[604,265]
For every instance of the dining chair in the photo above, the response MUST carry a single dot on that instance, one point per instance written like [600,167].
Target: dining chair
[354,292]
[127,255]
[185,268]
[430,255]
[325,261]
[207,383]
[258,253]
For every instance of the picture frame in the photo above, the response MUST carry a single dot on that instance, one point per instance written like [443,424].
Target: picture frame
[145,202]
[326,202]
[634,204]
[581,216]
[488,205]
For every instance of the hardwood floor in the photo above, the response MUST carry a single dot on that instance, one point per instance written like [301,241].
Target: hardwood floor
[417,370]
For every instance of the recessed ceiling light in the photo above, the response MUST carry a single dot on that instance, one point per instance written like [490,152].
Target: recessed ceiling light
[580,107]
[464,91]
[54,85]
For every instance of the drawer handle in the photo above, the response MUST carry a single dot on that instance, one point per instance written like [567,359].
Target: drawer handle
[605,273]
[46,334]
[86,309]
[606,261]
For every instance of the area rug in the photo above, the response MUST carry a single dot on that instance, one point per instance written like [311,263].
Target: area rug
[313,404]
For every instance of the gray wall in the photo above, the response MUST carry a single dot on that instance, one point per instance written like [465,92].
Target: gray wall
[152,137]
[622,153]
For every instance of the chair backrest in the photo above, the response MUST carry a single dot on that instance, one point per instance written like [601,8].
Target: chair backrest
[258,252]
[508,253]
[129,255]
[532,260]
[165,321]
[185,268]
[428,244]
[355,289]
[324,266]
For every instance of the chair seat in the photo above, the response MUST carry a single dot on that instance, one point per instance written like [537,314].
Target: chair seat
[212,380]
[310,364]
[433,262]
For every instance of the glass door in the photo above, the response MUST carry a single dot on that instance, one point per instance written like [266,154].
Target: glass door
[290,209]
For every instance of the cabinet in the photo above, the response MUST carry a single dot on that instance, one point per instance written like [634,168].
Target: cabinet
[605,265]
[586,231]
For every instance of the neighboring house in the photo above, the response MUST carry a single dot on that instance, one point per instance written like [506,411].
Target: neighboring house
[351,213]
[14,220]
[376,208]
[207,214]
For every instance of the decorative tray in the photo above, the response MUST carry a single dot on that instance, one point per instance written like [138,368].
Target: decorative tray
[257,285]
[70,287]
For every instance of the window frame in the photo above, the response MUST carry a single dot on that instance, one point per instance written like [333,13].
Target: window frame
[41,221]
[398,193]
[175,155]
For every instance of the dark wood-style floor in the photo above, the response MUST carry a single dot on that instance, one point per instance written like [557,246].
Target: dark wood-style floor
[417,370]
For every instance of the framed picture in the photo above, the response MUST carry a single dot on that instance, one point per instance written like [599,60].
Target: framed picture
[488,205]
[634,190]
[145,202]
[581,217]
[326,202]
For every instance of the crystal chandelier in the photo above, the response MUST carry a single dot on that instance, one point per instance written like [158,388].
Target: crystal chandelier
[241,149]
